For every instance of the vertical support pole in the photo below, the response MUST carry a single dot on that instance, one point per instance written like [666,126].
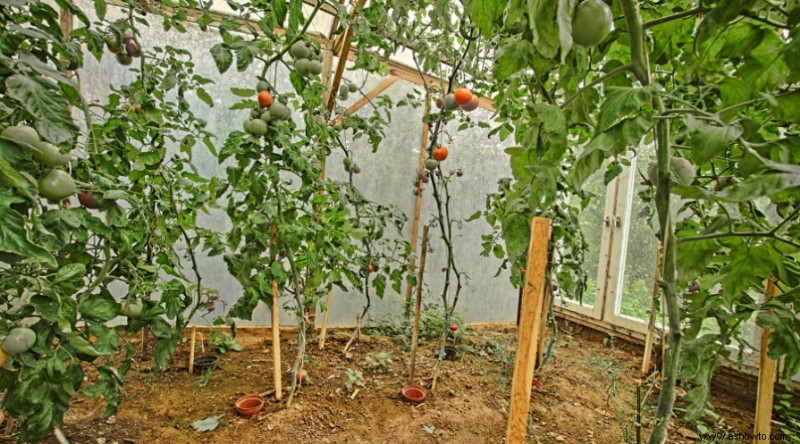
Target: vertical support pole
[276,341]
[418,305]
[648,342]
[3,356]
[423,145]
[543,325]
[528,331]
[324,331]
[767,370]
[191,350]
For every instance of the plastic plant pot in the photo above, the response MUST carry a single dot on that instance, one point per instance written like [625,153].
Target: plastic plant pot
[413,393]
[249,405]
[205,363]
[537,385]
[450,353]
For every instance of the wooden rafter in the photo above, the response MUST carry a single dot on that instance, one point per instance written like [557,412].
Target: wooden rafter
[369,96]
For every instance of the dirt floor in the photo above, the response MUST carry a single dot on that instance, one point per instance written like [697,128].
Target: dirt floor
[588,396]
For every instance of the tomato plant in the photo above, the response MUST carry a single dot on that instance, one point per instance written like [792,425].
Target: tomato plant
[57,260]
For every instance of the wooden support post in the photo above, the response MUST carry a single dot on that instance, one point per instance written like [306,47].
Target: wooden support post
[358,327]
[276,341]
[648,342]
[418,305]
[324,331]
[3,356]
[527,342]
[423,154]
[767,371]
[191,350]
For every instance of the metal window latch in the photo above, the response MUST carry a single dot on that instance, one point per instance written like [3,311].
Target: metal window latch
[617,221]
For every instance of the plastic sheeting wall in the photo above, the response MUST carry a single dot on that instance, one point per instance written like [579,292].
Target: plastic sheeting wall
[387,177]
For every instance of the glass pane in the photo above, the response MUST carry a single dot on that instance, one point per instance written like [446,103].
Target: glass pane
[591,223]
[640,258]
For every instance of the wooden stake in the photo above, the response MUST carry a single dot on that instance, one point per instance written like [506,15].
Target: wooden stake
[418,305]
[767,370]
[423,154]
[191,350]
[358,327]
[648,342]
[276,341]
[324,331]
[527,343]
[3,356]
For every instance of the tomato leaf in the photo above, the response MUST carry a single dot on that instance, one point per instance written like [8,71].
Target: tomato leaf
[222,57]
[14,238]
[484,13]
[54,121]
[708,141]
[544,24]
[512,58]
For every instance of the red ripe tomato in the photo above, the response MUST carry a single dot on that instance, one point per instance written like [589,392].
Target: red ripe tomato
[440,102]
[265,98]
[371,268]
[462,96]
[472,105]
[454,327]
[440,153]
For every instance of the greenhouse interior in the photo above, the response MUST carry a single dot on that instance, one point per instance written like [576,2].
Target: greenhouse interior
[361,221]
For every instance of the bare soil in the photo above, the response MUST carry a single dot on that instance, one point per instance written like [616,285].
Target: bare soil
[588,396]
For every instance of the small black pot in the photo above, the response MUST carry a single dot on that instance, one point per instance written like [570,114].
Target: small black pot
[450,353]
[205,363]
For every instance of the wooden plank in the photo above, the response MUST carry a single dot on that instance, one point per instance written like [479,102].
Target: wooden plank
[767,371]
[527,342]
[418,306]
[423,154]
[648,341]
[335,23]
[374,92]
[324,331]
[276,341]
[191,350]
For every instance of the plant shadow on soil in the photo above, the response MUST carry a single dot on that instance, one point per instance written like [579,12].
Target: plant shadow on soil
[470,404]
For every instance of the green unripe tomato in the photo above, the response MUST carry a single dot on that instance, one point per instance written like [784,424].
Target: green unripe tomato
[348,162]
[124,59]
[19,340]
[255,113]
[343,94]
[48,154]
[431,164]
[450,102]
[682,170]
[591,23]
[301,66]
[131,309]
[246,126]
[21,134]
[258,127]
[315,67]
[57,185]
[279,111]
[352,87]
[356,169]
[266,116]
[262,86]
[299,50]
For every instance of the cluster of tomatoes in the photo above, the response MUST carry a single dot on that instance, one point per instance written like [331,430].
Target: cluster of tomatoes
[57,184]
[116,45]
[268,111]
[459,98]
[307,59]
